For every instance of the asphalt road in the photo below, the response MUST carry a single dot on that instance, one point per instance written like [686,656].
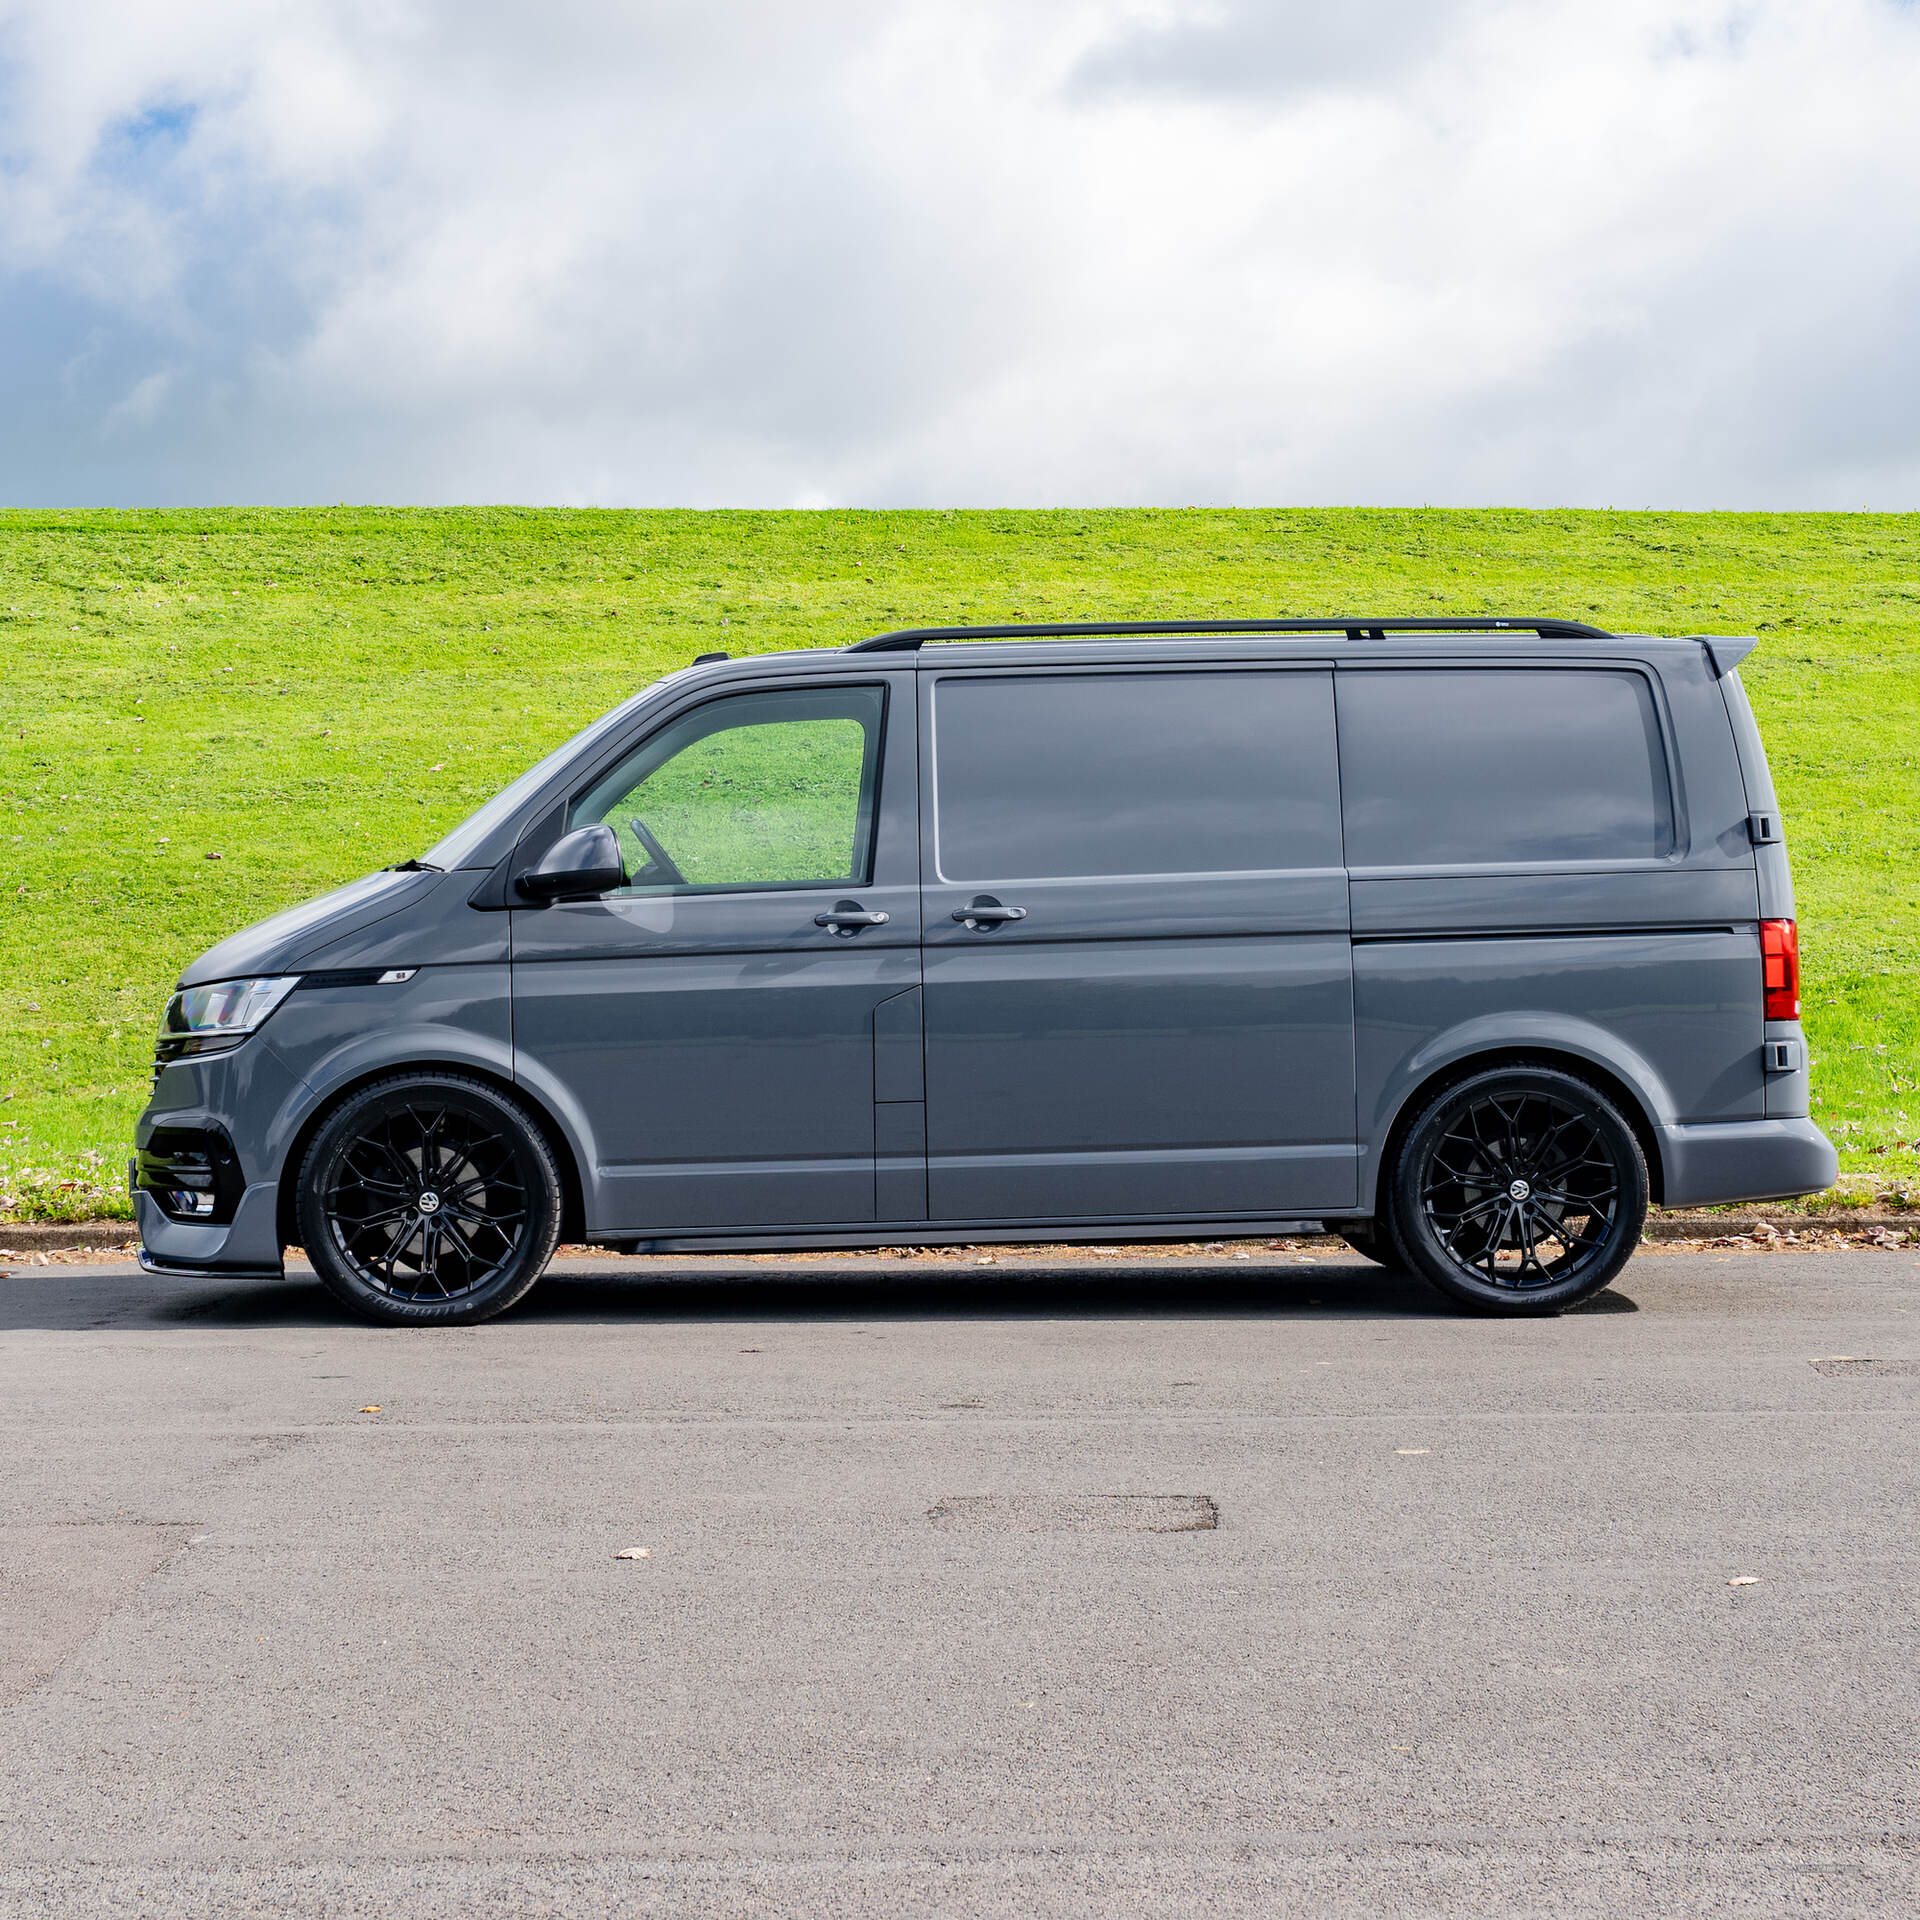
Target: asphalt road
[1462,1641]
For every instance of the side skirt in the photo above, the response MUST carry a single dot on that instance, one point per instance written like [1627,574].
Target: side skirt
[918,1233]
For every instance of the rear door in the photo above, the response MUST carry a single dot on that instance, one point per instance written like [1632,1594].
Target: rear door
[1138,993]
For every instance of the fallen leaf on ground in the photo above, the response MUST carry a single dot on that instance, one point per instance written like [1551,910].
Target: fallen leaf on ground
[632,1553]
[366,1409]
[1744,1580]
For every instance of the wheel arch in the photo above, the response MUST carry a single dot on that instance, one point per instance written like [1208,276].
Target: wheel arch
[1633,1104]
[572,1197]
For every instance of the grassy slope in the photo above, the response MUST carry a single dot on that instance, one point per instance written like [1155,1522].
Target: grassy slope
[312,694]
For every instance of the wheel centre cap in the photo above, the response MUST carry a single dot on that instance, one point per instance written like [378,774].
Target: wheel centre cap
[1519,1190]
[429,1203]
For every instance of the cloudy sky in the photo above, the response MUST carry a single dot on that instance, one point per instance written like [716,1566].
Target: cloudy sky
[937,252]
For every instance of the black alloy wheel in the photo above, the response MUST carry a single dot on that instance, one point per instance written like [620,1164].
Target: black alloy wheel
[1520,1190]
[429,1199]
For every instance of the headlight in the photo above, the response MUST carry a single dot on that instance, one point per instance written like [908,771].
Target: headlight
[228,1010]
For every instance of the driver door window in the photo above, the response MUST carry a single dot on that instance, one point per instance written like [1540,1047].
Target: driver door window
[760,790]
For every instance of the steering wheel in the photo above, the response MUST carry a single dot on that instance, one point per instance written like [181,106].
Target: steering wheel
[658,858]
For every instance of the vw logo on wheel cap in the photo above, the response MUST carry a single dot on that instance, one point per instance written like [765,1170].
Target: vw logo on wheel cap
[429,1203]
[1519,1190]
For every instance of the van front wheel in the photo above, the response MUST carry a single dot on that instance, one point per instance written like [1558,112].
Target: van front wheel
[429,1199]
[1520,1190]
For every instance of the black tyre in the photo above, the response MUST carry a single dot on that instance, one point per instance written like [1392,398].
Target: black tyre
[429,1199]
[1519,1191]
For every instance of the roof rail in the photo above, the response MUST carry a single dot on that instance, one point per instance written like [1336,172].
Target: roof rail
[1354,626]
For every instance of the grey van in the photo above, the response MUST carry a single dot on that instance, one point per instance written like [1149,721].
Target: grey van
[1466,938]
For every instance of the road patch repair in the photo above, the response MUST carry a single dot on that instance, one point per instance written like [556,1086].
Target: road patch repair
[1076,1513]
[60,1581]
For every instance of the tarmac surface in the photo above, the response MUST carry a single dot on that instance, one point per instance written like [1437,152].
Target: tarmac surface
[1186,1587]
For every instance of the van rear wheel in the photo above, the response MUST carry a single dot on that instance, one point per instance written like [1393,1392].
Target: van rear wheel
[1520,1190]
[429,1199]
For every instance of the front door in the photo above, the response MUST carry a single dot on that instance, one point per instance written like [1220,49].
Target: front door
[1138,993]
[710,1026]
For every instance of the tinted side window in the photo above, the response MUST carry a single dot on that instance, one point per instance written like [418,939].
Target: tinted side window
[755,790]
[1452,767]
[1041,776]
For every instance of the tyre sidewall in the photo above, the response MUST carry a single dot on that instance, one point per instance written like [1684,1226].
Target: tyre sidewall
[1415,1237]
[534,1160]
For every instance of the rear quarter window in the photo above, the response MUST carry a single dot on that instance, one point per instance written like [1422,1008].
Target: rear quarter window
[1481,766]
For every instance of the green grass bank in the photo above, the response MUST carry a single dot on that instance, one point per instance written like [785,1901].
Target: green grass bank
[205,716]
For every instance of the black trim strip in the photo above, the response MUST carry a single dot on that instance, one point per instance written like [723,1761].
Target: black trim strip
[192,1046]
[1532,933]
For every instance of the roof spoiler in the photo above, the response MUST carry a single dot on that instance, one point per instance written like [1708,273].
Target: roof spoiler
[1354,626]
[1724,654]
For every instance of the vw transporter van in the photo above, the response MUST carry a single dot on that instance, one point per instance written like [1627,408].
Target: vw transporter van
[1466,938]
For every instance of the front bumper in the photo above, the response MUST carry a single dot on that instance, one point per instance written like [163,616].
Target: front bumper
[1709,1166]
[248,1244]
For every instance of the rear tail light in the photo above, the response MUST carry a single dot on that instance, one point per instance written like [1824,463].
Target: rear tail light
[1780,964]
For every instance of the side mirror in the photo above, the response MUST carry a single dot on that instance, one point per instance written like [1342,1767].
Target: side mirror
[578,866]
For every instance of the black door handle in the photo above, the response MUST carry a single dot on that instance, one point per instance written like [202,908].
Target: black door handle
[849,917]
[987,912]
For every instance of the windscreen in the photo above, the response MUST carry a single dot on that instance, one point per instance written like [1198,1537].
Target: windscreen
[464,843]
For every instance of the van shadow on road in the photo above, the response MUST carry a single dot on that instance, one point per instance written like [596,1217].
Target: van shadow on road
[604,1295]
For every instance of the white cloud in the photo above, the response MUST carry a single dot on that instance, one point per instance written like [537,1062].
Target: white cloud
[142,404]
[973,251]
